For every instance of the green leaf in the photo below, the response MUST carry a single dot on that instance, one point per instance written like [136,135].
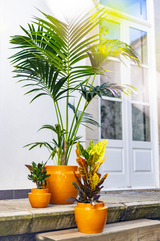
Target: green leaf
[76,186]
[86,118]
[82,151]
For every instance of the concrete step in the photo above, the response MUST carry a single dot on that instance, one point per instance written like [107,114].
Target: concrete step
[137,230]
[18,218]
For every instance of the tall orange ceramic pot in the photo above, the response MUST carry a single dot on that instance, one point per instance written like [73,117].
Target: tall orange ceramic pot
[39,198]
[60,183]
[90,218]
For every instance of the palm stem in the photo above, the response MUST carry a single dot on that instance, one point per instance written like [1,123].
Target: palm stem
[74,117]
[67,100]
[60,116]
[56,111]
[75,130]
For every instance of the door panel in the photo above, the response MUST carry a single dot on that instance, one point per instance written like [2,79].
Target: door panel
[143,173]
[142,160]
[117,163]
[115,166]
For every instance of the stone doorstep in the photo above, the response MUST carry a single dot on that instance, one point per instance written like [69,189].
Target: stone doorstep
[143,229]
[18,217]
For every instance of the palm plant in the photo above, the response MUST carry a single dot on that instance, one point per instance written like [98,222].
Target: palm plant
[48,62]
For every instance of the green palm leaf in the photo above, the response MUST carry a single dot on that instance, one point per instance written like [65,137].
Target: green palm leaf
[106,89]
[112,48]
[44,76]
[86,118]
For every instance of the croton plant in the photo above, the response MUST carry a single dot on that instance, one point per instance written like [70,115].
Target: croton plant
[89,160]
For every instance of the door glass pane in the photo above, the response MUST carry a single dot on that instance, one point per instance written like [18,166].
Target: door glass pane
[139,79]
[138,40]
[140,123]
[111,120]
[109,29]
[135,8]
[114,76]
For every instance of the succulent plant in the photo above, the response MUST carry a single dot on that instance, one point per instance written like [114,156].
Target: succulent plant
[38,174]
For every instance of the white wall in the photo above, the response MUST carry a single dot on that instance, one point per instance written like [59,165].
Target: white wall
[19,120]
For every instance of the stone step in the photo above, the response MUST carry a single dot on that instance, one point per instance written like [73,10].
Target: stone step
[137,230]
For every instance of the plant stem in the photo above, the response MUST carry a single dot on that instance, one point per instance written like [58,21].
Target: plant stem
[67,112]
[56,111]
[68,64]
[60,115]
[75,130]
[74,117]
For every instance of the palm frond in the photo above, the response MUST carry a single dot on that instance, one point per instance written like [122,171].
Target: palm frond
[106,89]
[86,118]
[112,48]
[43,79]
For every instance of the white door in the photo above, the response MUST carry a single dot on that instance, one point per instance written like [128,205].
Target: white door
[127,123]
[142,149]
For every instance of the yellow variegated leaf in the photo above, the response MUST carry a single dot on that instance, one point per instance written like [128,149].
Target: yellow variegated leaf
[99,164]
[99,148]
[90,147]
[102,179]
[92,159]
[81,161]
[83,169]
[94,181]
[99,174]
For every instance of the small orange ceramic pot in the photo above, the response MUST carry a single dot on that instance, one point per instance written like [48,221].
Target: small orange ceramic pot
[39,198]
[90,218]
[60,183]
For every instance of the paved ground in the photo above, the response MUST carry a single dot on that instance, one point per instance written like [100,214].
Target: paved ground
[17,217]
[110,198]
[131,196]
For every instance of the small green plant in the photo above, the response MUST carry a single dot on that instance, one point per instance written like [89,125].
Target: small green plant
[91,183]
[38,174]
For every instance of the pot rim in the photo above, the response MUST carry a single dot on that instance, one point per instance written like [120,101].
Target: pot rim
[61,165]
[61,168]
[39,190]
[90,205]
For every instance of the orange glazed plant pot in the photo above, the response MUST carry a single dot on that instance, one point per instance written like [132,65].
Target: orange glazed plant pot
[60,183]
[39,198]
[90,218]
